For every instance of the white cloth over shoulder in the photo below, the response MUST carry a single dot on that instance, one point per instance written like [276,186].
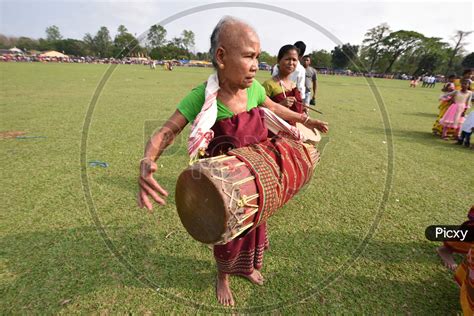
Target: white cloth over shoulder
[201,132]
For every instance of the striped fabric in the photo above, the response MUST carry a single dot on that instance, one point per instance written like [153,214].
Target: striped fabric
[281,167]
[201,133]
[465,278]
[277,125]
[248,255]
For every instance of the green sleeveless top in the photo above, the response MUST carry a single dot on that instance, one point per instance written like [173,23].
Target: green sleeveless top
[192,104]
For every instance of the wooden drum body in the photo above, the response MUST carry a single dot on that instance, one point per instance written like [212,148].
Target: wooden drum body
[218,198]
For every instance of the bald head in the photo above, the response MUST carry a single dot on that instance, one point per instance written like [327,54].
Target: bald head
[230,32]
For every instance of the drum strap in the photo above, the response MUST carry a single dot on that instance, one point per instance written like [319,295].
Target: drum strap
[281,167]
[267,175]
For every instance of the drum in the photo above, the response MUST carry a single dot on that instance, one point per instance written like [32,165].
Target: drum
[220,198]
[313,136]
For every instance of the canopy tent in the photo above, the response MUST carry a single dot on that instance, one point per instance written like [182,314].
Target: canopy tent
[200,62]
[15,50]
[33,52]
[53,54]
[138,58]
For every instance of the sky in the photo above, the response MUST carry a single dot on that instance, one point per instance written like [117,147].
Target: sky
[339,21]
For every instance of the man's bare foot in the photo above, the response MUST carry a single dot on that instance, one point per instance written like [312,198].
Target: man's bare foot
[255,277]
[224,295]
[447,256]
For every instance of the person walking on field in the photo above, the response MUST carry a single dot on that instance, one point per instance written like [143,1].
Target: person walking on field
[432,82]
[311,81]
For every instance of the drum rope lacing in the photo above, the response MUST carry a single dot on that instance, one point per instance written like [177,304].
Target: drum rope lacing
[233,193]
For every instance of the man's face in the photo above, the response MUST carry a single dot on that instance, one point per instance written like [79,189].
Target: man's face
[241,60]
[287,64]
[306,62]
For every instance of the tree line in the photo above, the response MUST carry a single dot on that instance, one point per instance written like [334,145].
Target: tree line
[102,45]
[385,51]
[382,50]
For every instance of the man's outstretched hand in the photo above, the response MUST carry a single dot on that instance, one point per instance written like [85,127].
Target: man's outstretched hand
[148,186]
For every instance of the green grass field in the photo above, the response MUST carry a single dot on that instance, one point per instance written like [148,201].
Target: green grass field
[331,251]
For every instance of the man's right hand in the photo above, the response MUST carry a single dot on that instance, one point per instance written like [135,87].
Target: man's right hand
[319,125]
[288,101]
[148,186]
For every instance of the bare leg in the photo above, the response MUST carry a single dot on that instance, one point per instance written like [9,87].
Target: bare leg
[457,133]
[255,277]
[445,132]
[224,295]
[447,256]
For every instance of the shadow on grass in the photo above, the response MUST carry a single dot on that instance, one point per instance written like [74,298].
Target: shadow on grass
[368,295]
[130,184]
[423,138]
[422,114]
[377,250]
[45,269]
[435,290]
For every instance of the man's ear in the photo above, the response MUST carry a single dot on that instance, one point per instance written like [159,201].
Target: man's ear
[220,56]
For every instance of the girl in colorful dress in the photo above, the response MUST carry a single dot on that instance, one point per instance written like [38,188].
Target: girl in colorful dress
[461,101]
[444,105]
[281,89]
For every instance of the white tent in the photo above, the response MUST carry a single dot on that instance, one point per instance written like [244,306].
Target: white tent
[53,54]
[15,50]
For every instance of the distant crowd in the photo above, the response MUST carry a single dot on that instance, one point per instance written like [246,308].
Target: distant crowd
[86,60]
[426,80]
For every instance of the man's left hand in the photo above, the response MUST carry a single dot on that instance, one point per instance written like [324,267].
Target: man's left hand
[319,125]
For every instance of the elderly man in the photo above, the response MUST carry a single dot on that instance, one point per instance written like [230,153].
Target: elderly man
[230,101]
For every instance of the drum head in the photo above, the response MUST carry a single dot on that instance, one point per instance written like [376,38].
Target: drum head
[312,135]
[200,205]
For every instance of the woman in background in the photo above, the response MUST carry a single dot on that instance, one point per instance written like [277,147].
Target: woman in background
[280,88]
